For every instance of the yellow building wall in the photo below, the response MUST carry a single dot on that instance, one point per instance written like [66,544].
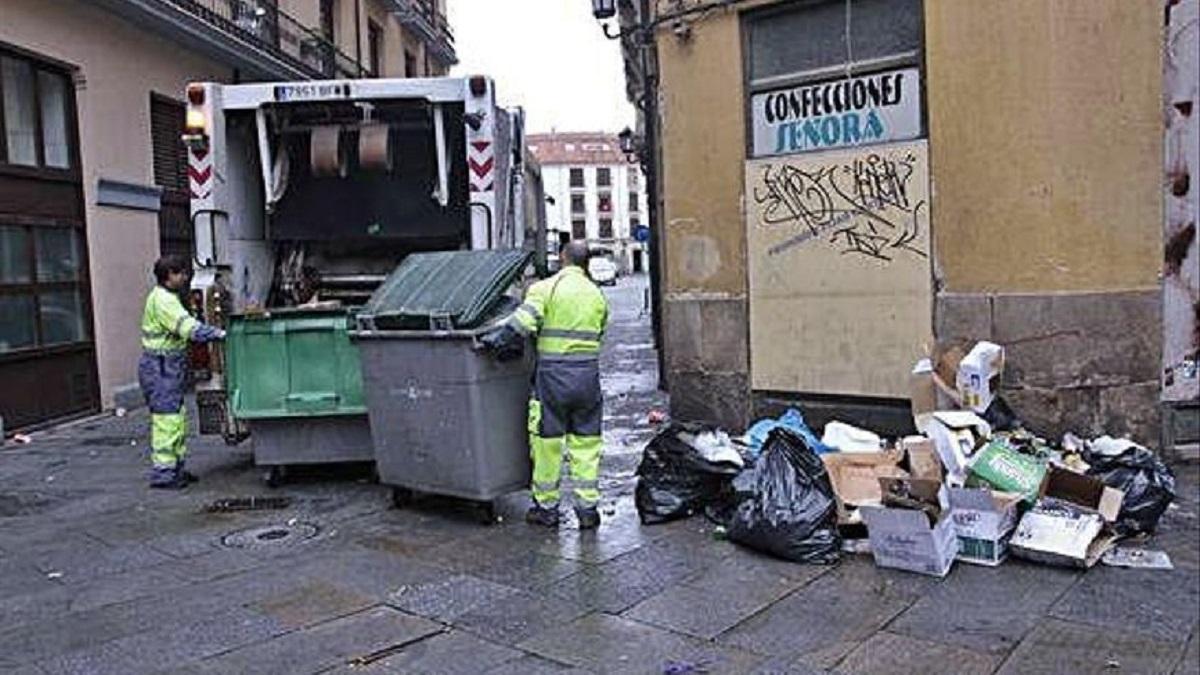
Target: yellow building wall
[703,146]
[1045,127]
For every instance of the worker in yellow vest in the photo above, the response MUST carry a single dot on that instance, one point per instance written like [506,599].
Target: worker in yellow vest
[166,330]
[568,314]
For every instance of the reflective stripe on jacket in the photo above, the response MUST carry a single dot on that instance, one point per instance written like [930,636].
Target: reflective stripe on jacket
[166,325]
[567,312]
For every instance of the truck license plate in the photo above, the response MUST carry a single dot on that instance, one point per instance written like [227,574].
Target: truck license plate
[306,92]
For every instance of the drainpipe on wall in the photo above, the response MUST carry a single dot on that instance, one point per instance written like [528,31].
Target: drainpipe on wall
[648,54]
[358,37]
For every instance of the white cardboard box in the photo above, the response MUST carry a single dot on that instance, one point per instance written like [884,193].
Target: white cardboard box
[983,520]
[979,375]
[903,539]
[955,433]
[1072,532]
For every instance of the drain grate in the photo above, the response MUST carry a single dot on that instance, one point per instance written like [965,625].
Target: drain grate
[232,504]
[263,536]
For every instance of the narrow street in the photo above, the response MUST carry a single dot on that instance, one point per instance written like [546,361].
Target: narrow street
[98,574]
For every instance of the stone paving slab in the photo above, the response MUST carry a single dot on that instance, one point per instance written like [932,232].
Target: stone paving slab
[532,664]
[1057,646]
[886,652]
[988,609]
[446,600]
[829,617]
[326,646]
[1163,604]
[453,653]
[513,618]
[312,603]
[628,579]
[609,644]
[722,596]
[1189,664]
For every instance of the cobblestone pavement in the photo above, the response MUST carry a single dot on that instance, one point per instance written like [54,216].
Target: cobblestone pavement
[100,575]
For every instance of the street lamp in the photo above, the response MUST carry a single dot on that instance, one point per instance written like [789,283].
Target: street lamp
[627,142]
[604,9]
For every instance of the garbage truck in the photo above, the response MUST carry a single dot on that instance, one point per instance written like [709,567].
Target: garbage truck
[304,197]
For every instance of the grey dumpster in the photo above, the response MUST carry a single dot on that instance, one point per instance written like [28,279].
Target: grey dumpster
[444,418]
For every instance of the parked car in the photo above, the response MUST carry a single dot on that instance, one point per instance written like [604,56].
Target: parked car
[603,271]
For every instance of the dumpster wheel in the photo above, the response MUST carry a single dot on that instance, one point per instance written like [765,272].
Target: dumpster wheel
[274,476]
[402,497]
[487,513]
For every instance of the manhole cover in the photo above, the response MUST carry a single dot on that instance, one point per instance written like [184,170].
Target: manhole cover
[270,535]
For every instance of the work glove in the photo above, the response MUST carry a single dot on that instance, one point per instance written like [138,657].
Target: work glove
[503,343]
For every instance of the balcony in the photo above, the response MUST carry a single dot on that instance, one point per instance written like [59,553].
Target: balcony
[252,35]
[426,20]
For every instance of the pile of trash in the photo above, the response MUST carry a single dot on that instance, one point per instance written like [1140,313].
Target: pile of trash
[974,485]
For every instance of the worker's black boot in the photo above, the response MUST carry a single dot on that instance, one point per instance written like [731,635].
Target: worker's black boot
[541,515]
[185,476]
[589,518]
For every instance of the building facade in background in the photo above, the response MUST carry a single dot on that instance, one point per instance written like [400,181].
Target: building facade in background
[845,183]
[93,175]
[595,193]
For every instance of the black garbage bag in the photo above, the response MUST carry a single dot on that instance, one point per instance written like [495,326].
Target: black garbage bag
[785,503]
[503,342]
[1000,416]
[675,480]
[1148,484]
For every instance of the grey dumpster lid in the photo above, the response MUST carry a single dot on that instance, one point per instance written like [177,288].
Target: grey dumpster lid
[446,289]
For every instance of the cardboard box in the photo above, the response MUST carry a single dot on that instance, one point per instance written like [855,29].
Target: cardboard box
[928,392]
[922,457]
[1002,468]
[855,477]
[984,521]
[904,538]
[1070,524]
[978,376]
[955,435]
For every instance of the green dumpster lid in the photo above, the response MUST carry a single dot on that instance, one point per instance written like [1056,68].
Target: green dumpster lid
[448,289]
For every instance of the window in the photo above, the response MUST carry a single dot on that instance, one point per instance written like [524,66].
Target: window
[41,287]
[604,199]
[577,205]
[597,147]
[410,64]
[375,48]
[604,176]
[579,228]
[170,155]
[876,29]
[576,177]
[328,11]
[633,202]
[35,115]
[606,231]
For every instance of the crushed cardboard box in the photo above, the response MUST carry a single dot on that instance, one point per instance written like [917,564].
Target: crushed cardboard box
[922,457]
[928,392]
[984,521]
[1070,523]
[904,538]
[955,435]
[855,478]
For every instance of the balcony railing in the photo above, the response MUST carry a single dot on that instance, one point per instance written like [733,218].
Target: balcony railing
[424,18]
[263,25]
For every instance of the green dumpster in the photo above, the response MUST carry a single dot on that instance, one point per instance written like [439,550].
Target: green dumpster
[296,378]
